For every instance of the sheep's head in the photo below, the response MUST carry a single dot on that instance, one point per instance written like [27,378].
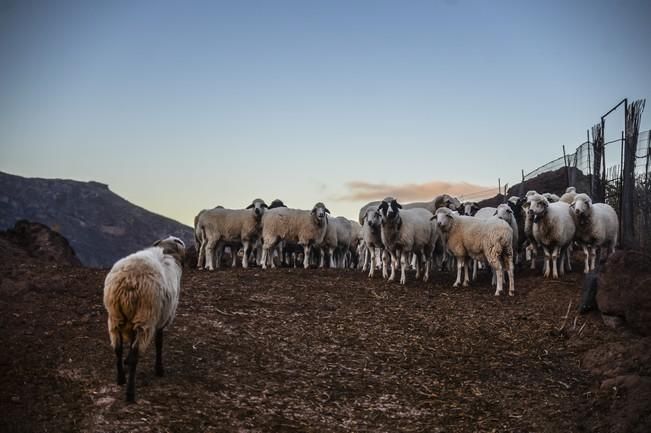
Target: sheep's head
[389,210]
[319,212]
[372,217]
[444,218]
[504,212]
[538,205]
[454,204]
[582,207]
[258,205]
[469,208]
[530,194]
[172,246]
[446,200]
[551,198]
[276,203]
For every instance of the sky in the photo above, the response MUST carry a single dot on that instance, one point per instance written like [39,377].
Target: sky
[184,105]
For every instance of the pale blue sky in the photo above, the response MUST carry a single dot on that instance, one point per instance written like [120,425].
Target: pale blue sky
[184,105]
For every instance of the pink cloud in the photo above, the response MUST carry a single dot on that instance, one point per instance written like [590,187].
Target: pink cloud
[359,190]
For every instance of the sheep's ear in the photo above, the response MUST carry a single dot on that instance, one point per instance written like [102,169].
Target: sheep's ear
[264,205]
[313,211]
[157,243]
[250,206]
[495,212]
[433,218]
[326,210]
[396,204]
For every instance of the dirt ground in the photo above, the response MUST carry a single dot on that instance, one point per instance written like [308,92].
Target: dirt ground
[305,350]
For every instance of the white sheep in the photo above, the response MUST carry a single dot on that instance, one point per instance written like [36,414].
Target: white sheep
[329,243]
[229,227]
[356,240]
[480,239]
[141,293]
[406,232]
[597,226]
[504,212]
[372,234]
[304,227]
[199,239]
[553,228]
[569,195]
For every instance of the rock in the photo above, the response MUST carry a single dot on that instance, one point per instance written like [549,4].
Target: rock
[612,321]
[40,242]
[624,289]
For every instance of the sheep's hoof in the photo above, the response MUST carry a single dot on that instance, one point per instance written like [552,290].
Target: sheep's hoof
[511,293]
[456,285]
[465,284]
[497,293]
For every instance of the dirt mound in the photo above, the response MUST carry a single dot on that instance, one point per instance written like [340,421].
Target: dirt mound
[624,371]
[554,182]
[624,289]
[36,241]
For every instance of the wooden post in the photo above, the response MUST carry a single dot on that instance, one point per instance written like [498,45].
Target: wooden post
[597,152]
[567,168]
[633,117]
[522,185]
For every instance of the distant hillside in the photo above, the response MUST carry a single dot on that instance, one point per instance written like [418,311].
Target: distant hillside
[100,225]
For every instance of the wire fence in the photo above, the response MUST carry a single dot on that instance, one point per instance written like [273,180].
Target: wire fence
[576,169]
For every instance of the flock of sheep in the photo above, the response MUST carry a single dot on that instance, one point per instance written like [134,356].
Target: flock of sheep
[141,291]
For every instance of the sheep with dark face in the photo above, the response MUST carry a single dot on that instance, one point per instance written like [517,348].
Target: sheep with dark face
[469,208]
[553,228]
[405,232]
[303,227]
[597,226]
[276,203]
[141,293]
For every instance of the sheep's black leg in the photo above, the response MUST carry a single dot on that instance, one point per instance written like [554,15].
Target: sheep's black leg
[159,353]
[118,355]
[132,360]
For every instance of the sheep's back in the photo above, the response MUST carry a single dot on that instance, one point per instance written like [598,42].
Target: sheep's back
[144,284]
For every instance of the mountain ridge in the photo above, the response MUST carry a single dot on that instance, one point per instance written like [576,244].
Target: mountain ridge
[100,225]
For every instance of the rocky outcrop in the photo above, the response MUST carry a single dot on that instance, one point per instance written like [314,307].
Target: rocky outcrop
[37,241]
[624,289]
